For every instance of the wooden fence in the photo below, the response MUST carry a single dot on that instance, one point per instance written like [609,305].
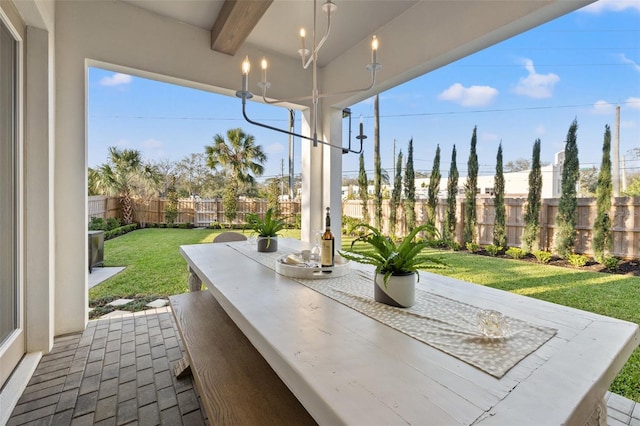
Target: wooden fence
[624,214]
[199,212]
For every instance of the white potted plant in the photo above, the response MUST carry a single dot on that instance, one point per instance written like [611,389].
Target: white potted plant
[396,263]
[267,230]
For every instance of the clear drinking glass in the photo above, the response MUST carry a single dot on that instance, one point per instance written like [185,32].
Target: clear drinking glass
[315,251]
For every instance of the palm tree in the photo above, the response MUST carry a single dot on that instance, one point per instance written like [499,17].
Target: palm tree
[241,158]
[124,176]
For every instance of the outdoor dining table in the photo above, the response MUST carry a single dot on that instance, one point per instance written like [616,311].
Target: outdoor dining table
[347,366]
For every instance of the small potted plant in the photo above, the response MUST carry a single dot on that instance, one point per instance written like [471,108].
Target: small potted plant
[267,230]
[396,263]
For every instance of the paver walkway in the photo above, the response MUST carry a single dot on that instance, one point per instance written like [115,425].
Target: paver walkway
[118,372]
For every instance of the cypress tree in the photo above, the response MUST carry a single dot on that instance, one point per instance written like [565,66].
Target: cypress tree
[434,188]
[410,190]
[452,190]
[377,165]
[395,196]
[171,205]
[499,224]
[471,191]
[363,185]
[568,204]
[604,190]
[534,202]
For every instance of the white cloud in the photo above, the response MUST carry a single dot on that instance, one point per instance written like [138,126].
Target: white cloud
[122,143]
[628,61]
[603,108]
[611,5]
[275,148]
[116,80]
[469,96]
[488,137]
[152,144]
[540,130]
[536,85]
[633,103]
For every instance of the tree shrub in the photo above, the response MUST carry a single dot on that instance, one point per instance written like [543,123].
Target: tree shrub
[515,252]
[543,256]
[604,191]
[611,263]
[471,191]
[473,247]
[578,260]
[534,200]
[499,227]
[568,204]
[493,249]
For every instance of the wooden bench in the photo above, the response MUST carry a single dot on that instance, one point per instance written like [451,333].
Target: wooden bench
[235,383]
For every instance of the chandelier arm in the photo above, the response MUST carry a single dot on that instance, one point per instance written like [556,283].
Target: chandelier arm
[286,132]
[280,101]
[316,49]
[349,92]
[320,95]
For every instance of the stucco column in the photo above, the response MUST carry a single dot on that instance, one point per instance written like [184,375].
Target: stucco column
[39,219]
[312,192]
[332,170]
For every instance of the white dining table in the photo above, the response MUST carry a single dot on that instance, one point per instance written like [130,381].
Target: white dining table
[348,368]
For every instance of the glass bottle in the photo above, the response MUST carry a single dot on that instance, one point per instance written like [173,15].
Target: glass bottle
[327,244]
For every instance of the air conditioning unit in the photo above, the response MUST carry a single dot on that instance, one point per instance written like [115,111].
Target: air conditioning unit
[96,249]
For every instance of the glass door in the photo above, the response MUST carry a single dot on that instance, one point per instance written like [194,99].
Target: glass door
[11,335]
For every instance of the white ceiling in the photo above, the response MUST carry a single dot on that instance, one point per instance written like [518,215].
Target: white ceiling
[278,30]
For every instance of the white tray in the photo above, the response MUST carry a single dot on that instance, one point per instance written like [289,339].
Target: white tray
[341,268]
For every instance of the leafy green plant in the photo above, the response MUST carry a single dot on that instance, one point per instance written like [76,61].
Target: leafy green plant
[578,260]
[267,227]
[611,263]
[543,256]
[390,257]
[493,250]
[515,252]
[472,247]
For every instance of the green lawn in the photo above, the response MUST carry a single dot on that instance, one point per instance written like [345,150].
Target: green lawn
[154,267]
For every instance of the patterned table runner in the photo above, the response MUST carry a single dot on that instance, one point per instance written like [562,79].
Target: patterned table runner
[445,324]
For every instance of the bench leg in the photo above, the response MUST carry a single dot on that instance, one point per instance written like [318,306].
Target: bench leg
[182,368]
[195,284]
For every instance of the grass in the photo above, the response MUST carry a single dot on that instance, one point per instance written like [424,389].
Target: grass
[152,261]
[155,268]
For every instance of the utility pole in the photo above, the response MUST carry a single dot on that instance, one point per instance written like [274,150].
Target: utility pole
[393,177]
[292,116]
[281,176]
[615,154]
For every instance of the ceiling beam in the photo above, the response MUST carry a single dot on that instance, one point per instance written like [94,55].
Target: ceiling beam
[236,20]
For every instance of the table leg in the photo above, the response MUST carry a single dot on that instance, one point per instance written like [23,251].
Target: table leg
[195,283]
[599,415]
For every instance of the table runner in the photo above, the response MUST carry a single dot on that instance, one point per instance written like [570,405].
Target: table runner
[440,322]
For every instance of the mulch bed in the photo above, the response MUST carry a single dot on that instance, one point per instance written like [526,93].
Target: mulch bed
[625,267]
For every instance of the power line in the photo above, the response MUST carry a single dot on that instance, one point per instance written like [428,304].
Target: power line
[406,115]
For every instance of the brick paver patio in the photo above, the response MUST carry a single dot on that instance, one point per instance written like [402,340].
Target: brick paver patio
[119,372]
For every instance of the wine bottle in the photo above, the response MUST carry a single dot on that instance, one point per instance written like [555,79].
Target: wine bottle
[327,244]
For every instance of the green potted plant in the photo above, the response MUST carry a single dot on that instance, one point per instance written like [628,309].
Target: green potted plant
[396,262]
[267,230]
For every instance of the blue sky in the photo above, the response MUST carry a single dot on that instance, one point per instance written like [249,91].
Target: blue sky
[532,86]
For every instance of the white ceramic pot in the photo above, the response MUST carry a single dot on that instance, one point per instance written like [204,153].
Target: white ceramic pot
[400,290]
[267,244]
